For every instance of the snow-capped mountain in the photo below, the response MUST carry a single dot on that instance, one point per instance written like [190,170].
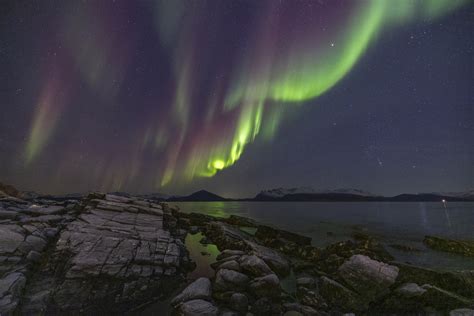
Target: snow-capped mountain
[465,194]
[281,192]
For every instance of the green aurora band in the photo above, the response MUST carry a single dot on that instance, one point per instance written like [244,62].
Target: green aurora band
[301,77]
[249,99]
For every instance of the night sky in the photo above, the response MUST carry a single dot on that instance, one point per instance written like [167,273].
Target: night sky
[236,96]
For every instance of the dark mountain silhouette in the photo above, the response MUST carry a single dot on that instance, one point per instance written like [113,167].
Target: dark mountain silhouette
[202,195]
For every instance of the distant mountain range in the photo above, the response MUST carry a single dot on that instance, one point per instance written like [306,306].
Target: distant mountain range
[354,195]
[277,195]
[337,195]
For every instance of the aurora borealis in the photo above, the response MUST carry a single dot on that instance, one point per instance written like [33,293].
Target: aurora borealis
[169,95]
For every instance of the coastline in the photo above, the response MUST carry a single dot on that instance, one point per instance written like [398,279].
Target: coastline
[114,254]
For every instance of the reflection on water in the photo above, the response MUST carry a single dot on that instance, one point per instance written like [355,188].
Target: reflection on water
[392,222]
[202,255]
[410,220]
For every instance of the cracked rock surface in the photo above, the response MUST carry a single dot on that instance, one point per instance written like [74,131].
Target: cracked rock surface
[104,253]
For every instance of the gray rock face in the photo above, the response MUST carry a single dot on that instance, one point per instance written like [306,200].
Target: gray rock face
[198,308]
[199,289]
[368,277]
[8,214]
[254,265]
[112,252]
[229,280]
[11,286]
[266,286]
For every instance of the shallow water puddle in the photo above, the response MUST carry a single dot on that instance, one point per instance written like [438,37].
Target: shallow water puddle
[202,255]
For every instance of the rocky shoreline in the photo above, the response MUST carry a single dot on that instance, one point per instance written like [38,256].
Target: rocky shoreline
[110,254]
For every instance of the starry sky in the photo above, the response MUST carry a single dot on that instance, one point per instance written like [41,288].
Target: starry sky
[236,96]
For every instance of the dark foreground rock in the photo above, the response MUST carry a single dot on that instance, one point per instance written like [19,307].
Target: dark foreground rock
[108,254]
[105,254]
[462,247]
[356,276]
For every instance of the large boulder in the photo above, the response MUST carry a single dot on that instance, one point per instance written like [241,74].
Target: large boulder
[226,236]
[197,308]
[229,280]
[370,278]
[277,262]
[199,289]
[266,286]
[340,296]
[254,265]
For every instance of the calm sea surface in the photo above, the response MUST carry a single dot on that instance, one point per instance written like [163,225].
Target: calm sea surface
[392,222]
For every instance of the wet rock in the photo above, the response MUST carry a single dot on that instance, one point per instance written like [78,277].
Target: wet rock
[339,296]
[228,253]
[239,302]
[461,283]
[199,289]
[266,286]
[198,219]
[227,280]
[406,248]
[254,266]
[197,308]
[269,234]
[226,236]
[368,277]
[410,290]
[272,258]
[443,300]
[230,265]
[462,247]
[240,221]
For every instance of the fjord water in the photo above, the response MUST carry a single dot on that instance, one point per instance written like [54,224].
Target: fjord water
[403,223]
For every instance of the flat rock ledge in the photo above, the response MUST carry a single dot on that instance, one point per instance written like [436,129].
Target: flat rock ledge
[104,253]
